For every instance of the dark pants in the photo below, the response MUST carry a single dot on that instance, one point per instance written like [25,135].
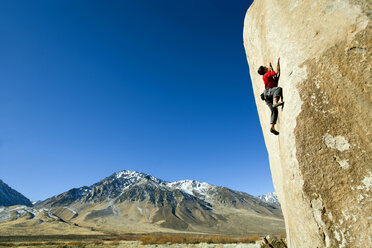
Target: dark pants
[270,94]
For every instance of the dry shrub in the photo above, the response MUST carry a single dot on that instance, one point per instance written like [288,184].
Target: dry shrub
[250,239]
[58,244]
[74,243]
[52,243]
[79,244]
[23,244]
[217,240]
[32,243]
[35,243]
[178,239]
[147,240]
[63,246]
[6,244]
[115,242]
[281,235]
[128,237]
[98,242]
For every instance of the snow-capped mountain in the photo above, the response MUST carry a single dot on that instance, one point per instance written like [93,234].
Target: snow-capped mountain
[34,203]
[121,185]
[134,201]
[9,196]
[270,197]
[192,187]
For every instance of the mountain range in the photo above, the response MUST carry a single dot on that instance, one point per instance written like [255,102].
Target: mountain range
[9,196]
[134,202]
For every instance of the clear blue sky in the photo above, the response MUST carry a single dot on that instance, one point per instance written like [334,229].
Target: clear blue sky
[89,88]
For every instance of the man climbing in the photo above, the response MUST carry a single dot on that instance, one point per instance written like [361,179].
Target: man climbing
[272,93]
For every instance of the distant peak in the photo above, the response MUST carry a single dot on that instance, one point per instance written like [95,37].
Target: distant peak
[270,197]
[128,173]
[135,176]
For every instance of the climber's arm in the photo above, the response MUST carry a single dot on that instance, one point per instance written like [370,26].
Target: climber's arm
[271,66]
[278,68]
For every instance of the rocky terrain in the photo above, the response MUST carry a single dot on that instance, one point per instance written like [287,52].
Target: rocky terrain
[10,197]
[321,161]
[133,202]
[25,221]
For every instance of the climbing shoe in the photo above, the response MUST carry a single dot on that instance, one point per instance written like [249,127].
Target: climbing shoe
[277,104]
[274,131]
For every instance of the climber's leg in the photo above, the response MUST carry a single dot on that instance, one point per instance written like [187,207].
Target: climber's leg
[272,130]
[274,112]
[274,115]
[277,94]
[273,118]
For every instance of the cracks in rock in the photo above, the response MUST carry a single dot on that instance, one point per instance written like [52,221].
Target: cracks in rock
[359,50]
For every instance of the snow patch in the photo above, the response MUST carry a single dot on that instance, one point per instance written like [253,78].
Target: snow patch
[140,210]
[192,187]
[4,216]
[52,215]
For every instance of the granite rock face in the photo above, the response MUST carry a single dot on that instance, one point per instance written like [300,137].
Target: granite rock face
[321,162]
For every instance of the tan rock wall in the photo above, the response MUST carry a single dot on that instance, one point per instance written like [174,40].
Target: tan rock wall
[321,162]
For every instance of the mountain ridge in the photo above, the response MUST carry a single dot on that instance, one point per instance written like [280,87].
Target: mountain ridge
[117,183]
[138,199]
[135,202]
[9,196]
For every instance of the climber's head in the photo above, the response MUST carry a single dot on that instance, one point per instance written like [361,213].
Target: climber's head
[262,70]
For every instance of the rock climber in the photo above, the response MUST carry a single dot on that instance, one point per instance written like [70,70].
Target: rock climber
[272,93]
